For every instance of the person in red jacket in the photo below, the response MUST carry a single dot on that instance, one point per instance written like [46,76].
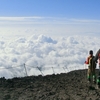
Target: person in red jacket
[91,67]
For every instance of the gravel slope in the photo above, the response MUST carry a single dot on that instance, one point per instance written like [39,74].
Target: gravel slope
[65,86]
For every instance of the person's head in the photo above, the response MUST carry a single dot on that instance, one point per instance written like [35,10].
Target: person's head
[91,52]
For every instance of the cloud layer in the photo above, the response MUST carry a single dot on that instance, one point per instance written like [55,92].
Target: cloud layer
[48,25]
[44,55]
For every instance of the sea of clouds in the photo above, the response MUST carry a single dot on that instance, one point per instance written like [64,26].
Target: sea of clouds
[41,54]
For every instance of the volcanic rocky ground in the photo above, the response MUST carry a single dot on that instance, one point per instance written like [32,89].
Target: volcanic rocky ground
[65,86]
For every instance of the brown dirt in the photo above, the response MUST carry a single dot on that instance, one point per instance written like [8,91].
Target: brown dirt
[65,86]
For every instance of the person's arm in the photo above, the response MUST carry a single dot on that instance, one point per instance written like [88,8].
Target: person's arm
[87,61]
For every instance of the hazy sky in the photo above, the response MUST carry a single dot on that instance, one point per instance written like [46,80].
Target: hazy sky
[50,17]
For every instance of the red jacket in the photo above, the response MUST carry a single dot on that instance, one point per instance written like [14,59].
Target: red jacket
[87,60]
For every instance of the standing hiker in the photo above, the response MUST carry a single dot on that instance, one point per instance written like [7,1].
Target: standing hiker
[97,58]
[91,67]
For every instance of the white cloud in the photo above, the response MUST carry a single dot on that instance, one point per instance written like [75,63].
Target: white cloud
[21,42]
[48,25]
[85,21]
[20,18]
[50,55]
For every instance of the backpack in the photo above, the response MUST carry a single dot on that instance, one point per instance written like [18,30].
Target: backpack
[92,62]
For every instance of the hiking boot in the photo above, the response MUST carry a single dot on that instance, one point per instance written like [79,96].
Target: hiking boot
[94,81]
[89,80]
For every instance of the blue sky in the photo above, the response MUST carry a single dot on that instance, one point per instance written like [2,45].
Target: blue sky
[88,9]
[53,16]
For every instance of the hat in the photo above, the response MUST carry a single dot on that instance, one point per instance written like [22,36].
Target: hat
[90,52]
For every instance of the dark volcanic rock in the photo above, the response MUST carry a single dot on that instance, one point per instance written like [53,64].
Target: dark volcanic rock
[65,86]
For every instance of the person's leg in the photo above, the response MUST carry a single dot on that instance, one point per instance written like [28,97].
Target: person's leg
[89,74]
[94,75]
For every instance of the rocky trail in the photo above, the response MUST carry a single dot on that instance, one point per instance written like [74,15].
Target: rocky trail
[64,86]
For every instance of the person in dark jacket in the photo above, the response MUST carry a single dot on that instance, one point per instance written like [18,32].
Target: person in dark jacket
[91,67]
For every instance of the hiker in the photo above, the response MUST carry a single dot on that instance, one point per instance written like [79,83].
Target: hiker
[97,58]
[91,67]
